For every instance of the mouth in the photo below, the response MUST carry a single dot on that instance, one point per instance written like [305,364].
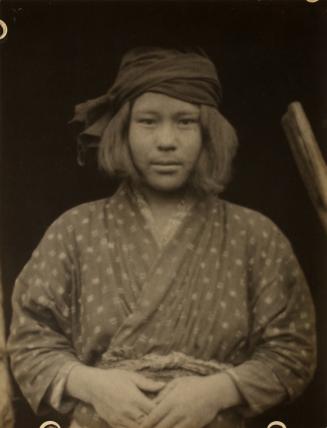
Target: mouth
[166,167]
[166,163]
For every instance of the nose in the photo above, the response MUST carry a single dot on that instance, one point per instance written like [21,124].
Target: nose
[166,138]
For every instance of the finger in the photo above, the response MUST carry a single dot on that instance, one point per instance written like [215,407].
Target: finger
[130,423]
[129,420]
[140,420]
[127,424]
[140,401]
[170,421]
[186,424]
[169,388]
[135,415]
[120,423]
[156,415]
[146,384]
[144,404]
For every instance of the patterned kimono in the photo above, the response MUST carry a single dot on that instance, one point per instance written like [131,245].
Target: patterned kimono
[223,292]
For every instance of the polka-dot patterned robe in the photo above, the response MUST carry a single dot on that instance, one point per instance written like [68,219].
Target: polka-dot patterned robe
[224,292]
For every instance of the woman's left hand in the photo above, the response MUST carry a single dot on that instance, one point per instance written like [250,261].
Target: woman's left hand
[192,402]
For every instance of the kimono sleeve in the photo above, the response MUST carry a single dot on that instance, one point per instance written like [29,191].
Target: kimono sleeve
[40,341]
[282,342]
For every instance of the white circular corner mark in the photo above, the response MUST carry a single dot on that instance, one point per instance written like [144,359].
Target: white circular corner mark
[3,29]
[50,424]
[276,424]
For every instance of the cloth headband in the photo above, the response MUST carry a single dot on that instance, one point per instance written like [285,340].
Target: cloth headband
[188,76]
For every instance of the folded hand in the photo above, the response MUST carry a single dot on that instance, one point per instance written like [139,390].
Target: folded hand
[188,402]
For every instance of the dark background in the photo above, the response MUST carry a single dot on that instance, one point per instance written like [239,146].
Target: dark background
[268,53]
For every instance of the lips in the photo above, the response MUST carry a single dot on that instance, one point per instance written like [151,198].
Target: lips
[166,167]
[166,163]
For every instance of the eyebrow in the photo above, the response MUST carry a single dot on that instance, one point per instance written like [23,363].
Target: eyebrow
[145,111]
[177,113]
[187,112]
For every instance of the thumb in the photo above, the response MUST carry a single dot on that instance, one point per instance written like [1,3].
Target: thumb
[146,384]
[164,392]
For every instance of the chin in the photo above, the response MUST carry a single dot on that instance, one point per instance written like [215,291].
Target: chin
[167,187]
[166,183]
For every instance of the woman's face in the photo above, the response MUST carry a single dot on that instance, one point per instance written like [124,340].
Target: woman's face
[165,140]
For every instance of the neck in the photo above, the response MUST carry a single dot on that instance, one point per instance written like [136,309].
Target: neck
[165,200]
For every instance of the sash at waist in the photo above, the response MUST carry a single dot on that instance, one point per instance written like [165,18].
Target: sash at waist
[175,364]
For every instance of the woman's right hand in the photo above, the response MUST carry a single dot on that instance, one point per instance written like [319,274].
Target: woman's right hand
[116,395]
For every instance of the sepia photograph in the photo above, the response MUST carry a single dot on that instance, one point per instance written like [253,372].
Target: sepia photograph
[163,214]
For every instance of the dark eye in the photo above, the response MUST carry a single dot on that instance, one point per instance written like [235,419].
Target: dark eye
[147,121]
[187,121]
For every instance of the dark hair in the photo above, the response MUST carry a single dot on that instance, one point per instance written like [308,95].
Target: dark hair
[213,169]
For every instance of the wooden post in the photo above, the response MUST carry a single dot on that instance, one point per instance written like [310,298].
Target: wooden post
[6,410]
[308,157]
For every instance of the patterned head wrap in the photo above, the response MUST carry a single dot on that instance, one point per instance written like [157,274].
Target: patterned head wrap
[188,76]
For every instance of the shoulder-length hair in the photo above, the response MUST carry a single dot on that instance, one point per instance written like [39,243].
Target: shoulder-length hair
[214,166]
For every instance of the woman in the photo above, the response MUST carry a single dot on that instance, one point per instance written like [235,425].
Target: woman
[163,306]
